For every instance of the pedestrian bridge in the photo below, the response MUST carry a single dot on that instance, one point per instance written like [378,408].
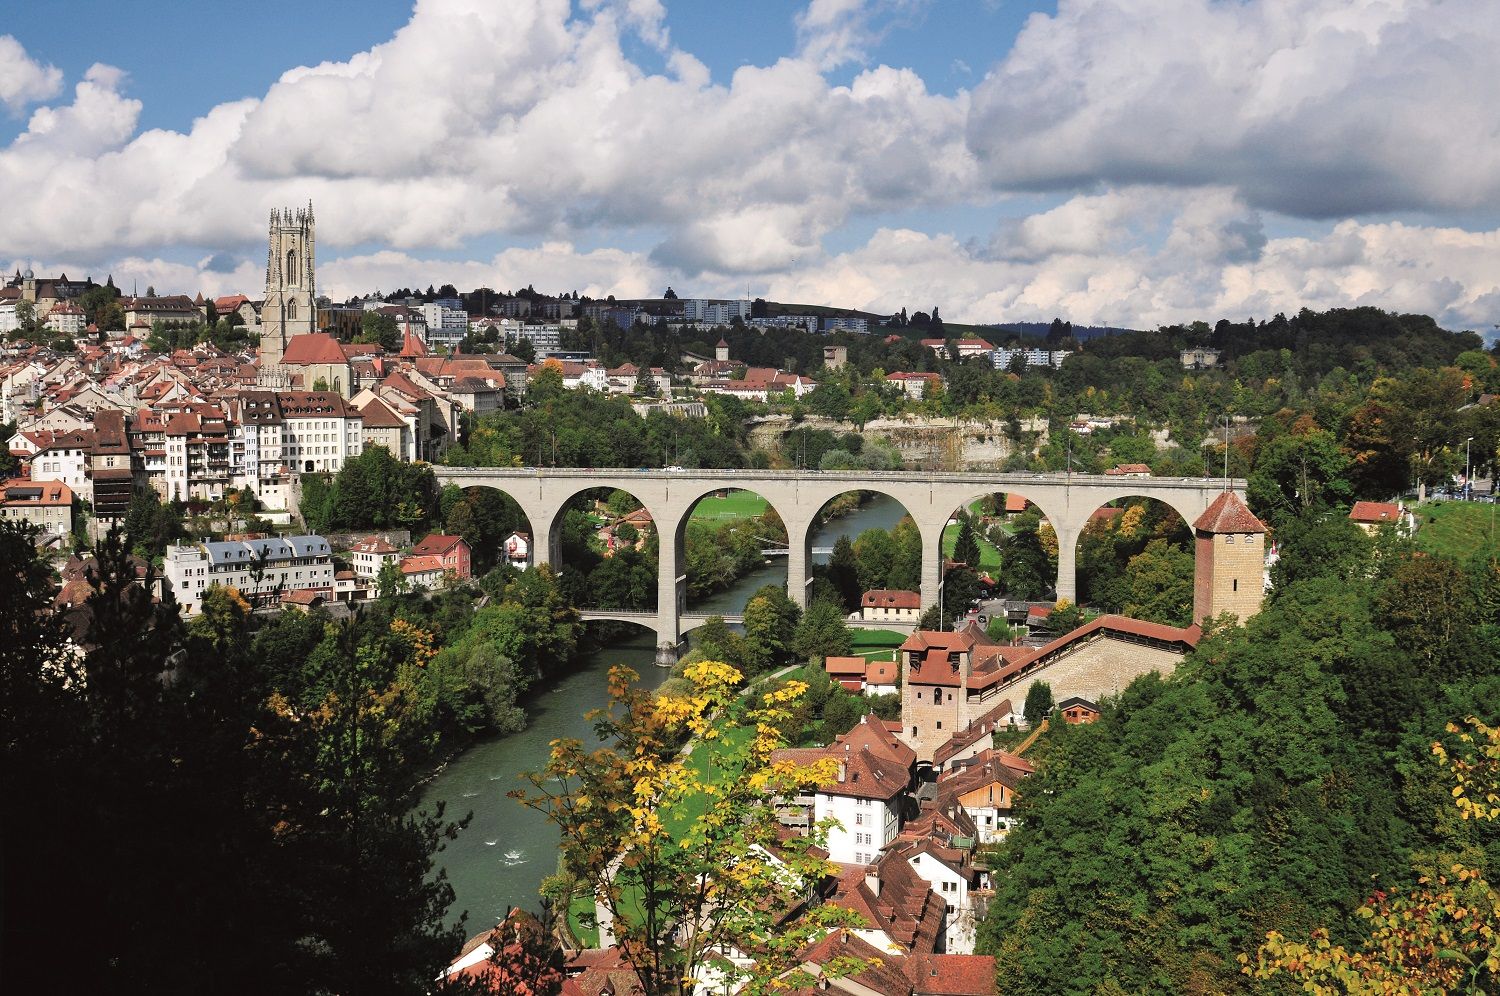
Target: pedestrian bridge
[931,498]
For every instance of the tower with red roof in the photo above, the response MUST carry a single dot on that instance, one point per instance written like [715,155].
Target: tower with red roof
[1230,550]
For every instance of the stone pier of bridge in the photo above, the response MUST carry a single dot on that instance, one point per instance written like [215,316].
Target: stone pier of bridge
[1067,501]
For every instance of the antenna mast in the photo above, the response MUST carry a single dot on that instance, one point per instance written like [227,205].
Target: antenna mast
[1226,452]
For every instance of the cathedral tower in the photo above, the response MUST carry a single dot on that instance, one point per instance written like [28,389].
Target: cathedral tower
[289,307]
[1230,560]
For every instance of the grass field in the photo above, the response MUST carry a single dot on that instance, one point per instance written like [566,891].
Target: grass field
[989,556]
[737,505]
[1457,528]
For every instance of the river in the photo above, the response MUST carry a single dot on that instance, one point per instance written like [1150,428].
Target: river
[500,859]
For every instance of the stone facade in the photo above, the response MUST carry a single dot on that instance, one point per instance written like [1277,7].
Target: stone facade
[1230,555]
[289,307]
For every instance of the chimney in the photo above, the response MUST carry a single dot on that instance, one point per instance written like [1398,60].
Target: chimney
[842,771]
[872,880]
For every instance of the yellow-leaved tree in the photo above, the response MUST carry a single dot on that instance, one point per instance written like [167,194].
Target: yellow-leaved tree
[670,826]
[1441,937]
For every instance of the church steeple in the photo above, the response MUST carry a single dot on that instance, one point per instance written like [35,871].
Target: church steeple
[290,307]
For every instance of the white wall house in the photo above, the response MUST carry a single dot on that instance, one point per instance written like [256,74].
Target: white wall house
[284,565]
[866,822]
[952,886]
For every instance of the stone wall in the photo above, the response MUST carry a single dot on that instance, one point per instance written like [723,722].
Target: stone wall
[922,442]
[1230,575]
[1101,667]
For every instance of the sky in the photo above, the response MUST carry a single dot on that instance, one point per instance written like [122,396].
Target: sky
[1122,162]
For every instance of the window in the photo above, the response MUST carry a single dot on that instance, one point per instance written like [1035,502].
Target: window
[859,819]
[1236,585]
[940,724]
[913,731]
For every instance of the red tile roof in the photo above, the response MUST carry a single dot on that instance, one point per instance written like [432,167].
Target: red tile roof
[1375,511]
[421,564]
[951,974]
[844,665]
[313,347]
[436,544]
[1227,514]
[891,598]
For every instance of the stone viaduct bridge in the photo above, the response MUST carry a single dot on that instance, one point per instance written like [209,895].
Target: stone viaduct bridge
[1067,500]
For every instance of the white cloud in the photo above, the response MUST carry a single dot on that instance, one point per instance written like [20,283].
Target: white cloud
[1315,108]
[832,33]
[23,80]
[1167,129]
[1204,267]
[479,118]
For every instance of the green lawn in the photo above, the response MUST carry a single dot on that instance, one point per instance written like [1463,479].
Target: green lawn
[1457,528]
[989,556]
[587,936]
[875,639]
[737,505]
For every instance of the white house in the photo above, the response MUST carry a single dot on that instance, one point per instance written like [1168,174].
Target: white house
[518,550]
[890,605]
[370,555]
[875,773]
[262,569]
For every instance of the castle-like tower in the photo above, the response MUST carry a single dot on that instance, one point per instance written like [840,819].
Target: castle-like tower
[289,307]
[1230,555]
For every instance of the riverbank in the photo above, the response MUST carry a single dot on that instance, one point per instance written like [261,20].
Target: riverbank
[501,858]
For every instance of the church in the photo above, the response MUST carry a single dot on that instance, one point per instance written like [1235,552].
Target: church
[290,307]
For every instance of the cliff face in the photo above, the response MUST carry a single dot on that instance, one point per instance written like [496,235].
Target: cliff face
[922,442]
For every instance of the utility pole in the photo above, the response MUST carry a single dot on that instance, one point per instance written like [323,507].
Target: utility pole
[1226,452]
[1468,473]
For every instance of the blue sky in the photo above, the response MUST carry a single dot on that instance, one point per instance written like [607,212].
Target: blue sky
[198,53]
[1135,161]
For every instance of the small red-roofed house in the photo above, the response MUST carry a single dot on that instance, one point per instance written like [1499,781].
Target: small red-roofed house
[452,552]
[1372,515]
[890,605]
[1129,470]
[882,678]
[847,671]
[424,571]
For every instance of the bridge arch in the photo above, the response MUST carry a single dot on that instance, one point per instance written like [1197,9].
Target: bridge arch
[893,554]
[722,535]
[603,541]
[1122,528]
[486,517]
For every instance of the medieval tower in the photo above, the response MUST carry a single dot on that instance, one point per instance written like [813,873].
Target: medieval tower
[289,307]
[1230,554]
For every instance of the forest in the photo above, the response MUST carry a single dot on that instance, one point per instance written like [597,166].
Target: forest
[1279,779]
[237,797]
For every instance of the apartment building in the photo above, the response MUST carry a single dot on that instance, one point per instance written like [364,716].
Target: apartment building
[262,570]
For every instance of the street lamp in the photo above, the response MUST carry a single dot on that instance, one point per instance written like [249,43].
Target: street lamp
[1468,479]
